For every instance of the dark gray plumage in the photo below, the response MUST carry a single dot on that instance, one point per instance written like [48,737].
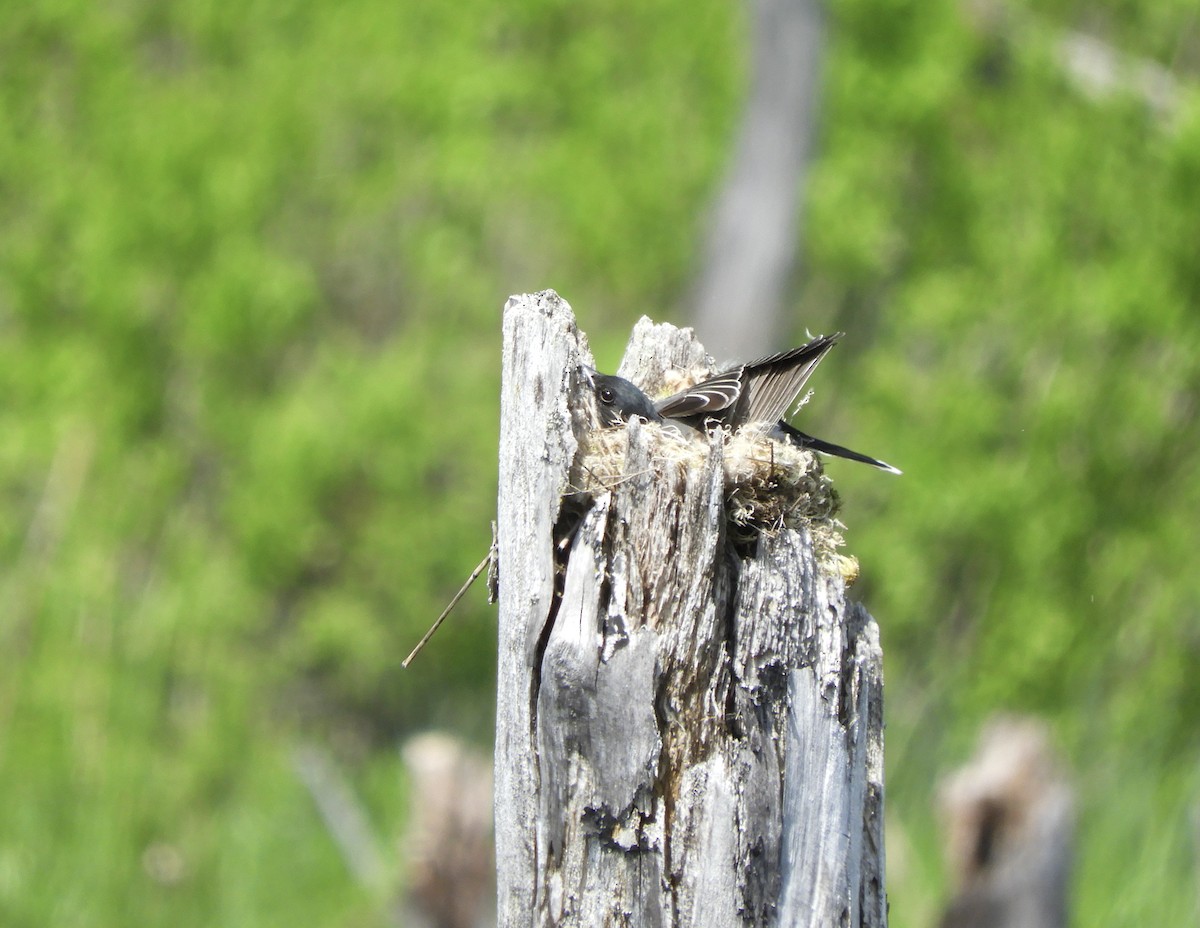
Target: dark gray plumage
[618,400]
[761,391]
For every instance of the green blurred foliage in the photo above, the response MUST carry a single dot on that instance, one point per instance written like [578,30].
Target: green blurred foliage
[1023,260]
[251,266]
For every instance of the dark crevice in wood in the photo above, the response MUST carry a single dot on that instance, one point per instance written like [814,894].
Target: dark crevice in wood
[571,511]
[733,573]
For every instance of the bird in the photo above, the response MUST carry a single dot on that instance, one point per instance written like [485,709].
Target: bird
[758,392]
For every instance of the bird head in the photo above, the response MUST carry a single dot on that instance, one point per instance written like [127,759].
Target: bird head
[618,400]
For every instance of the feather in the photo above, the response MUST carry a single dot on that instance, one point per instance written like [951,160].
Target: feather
[771,385]
[761,391]
[713,395]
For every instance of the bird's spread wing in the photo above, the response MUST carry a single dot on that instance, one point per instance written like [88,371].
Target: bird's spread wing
[770,385]
[710,396]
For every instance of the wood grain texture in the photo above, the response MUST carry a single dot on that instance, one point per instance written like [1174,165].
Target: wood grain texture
[687,735]
[542,348]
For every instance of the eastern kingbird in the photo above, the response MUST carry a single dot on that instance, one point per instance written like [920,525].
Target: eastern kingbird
[759,392]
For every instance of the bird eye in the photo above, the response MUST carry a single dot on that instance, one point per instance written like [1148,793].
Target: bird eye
[607,396]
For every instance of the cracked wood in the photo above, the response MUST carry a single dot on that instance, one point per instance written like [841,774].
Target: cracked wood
[689,731]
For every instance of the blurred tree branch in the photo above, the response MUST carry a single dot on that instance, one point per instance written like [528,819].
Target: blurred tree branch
[753,238]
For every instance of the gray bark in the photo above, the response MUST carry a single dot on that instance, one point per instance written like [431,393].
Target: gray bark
[688,733]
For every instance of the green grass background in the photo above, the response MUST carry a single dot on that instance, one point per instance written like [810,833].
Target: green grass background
[252,260]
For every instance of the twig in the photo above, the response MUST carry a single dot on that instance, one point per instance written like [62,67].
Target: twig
[454,602]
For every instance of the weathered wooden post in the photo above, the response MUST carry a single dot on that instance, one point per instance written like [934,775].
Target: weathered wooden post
[1009,822]
[689,714]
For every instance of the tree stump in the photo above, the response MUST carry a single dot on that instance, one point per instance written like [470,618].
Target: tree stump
[1009,818]
[689,713]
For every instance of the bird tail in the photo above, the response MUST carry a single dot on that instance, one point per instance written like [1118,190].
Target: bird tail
[804,440]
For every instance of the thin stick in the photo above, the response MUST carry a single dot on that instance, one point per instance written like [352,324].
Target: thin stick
[445,612]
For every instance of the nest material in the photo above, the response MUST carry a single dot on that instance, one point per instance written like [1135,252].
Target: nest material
[769,485]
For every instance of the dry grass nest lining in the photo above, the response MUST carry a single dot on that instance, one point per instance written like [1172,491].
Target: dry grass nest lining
[769,485]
